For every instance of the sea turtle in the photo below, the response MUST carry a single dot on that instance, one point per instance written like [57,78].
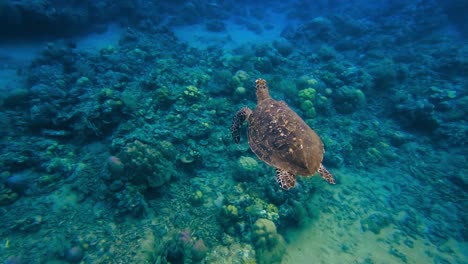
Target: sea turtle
[279,137]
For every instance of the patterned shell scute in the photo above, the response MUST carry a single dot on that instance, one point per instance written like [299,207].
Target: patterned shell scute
[278,136]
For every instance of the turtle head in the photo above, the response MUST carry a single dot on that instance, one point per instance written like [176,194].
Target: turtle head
[262,90]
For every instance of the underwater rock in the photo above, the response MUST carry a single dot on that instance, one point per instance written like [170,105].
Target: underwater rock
[7,196]
[276,196]
[15,98]
[248,169]
[232,252]
[384,74]
[56,133]
[41,115]
[146,164]
[400,255]
[419,115]
[21,181]
[240,92]
[264,233]
[269,244]
[292,213]
[46,92]
[348,99]
[167,149]
[215,26]
[115,166]
[284,47]
[116,186]
[248,164]
[263,64]
[199,250]
[375,222]
[327,53]
[129,202]
[74,254]
[319,28]
[28,224]
[185,248]
[240,79]
[14,260]
[148,247]
[186,158]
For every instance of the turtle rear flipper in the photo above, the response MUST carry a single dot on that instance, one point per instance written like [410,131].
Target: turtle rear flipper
[239,118]
[326,175]
[285,179]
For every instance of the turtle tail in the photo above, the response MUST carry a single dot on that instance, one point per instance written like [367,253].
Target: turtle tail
[239,118]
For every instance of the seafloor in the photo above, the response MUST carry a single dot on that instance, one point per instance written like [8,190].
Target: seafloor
[116,143]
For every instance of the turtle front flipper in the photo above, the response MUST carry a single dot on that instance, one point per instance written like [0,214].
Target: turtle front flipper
[285,179]
[239,118]
[326,175]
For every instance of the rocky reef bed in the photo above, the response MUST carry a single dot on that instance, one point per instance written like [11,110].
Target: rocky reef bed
[123,154]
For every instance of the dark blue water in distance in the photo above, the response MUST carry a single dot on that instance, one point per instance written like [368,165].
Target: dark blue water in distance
[166,131]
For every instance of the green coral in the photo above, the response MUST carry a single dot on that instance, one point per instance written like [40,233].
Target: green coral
[307,99]
[308,108]
[192,93]
[307,94]
[229,216]
[231,211]
[197,198]
[261,209]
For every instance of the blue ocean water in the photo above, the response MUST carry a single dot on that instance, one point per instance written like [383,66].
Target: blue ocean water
[120,122]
